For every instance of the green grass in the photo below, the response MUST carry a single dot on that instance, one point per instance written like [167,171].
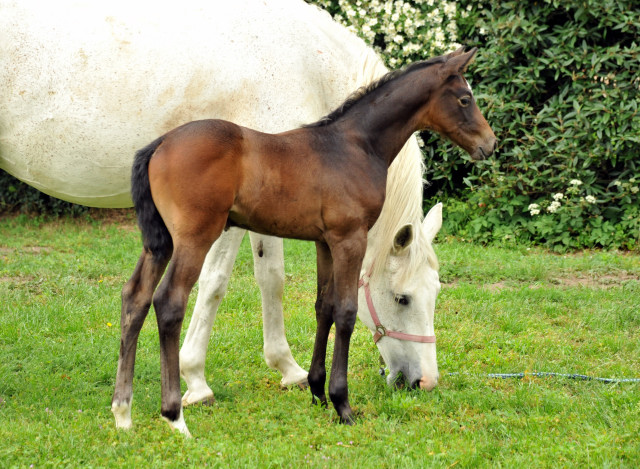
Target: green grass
[500,310]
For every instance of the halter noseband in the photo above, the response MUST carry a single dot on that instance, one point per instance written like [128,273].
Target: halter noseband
[382,331]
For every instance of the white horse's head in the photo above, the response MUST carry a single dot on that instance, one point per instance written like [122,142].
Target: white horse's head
[402,295]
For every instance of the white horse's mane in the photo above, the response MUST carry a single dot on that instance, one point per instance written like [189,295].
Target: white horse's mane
[403,203]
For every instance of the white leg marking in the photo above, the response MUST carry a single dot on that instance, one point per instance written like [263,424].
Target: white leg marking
[122,413]
[179,425]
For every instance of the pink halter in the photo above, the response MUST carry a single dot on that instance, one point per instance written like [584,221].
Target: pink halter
[382,331]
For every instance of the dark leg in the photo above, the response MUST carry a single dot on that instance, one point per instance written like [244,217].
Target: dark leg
[324,319]
[136,299]
[170,302]
[347,262]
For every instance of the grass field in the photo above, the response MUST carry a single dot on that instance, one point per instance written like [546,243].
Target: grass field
[500,310]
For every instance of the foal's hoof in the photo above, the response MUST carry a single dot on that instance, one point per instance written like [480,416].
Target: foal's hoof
[348,419]
[179,424]
[122,413]
[321,401]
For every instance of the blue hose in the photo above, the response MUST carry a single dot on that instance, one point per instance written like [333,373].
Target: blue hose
[545,374]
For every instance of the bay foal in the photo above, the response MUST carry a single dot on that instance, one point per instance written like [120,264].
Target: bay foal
[324,183]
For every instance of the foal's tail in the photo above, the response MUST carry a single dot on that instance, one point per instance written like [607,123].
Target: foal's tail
[155,235]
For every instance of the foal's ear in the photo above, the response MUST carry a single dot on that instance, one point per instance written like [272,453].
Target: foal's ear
[433,222]
[458,62]
[455,53]
[403,239]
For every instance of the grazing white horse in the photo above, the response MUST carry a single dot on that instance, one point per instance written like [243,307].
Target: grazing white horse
[83,85]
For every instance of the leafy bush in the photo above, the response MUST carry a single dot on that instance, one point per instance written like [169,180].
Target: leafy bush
[16,196]
[559,83]
[401,31]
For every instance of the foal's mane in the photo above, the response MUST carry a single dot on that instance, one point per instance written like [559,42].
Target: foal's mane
[372,87]
[403,203]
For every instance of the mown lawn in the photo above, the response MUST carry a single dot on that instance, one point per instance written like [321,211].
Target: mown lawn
[501,310]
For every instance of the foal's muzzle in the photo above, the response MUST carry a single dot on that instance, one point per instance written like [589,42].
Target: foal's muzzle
[485,150]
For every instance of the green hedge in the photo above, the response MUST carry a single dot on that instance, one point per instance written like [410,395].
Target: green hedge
[559,82]
[16,196]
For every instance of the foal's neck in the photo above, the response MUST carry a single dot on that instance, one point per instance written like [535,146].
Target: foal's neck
[387,117]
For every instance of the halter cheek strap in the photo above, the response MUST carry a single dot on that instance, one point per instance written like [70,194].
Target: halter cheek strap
[382,331]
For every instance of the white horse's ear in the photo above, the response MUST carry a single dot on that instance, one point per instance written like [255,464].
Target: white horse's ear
[403,239]
[433,222]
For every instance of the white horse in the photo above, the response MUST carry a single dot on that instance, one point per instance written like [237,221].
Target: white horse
[83,85]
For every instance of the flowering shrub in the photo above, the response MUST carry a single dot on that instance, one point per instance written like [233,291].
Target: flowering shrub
[559,83]
[401,31]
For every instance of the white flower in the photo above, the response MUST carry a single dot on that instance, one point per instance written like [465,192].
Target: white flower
[590,199]
[450,9]
[558,196]
[534,209]
[575,182]
[635,190]
[555,205]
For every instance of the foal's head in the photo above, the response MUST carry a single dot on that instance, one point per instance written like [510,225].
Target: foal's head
[452,110]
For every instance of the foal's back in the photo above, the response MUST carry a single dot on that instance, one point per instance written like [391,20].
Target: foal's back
[296,184]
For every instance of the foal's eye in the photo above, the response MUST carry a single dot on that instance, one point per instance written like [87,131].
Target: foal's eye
[402,300]
[464,101]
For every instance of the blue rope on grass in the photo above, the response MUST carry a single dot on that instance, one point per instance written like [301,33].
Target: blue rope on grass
[545,374]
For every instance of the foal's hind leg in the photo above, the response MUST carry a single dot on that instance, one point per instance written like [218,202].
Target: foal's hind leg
[136,299]
[170,302]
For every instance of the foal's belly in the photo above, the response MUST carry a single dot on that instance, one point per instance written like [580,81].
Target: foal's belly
[281,218]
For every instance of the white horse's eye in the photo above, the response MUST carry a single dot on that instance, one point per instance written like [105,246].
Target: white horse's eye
[403,300]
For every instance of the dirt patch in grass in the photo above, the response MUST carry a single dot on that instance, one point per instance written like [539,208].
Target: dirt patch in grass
[596,281]
[16,280]
[603,281]
[123,216]
[25,250]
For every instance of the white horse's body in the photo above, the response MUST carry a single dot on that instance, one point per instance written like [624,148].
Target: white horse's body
[83,85]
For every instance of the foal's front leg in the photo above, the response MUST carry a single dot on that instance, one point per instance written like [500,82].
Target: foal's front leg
[347,261]
[324,320]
